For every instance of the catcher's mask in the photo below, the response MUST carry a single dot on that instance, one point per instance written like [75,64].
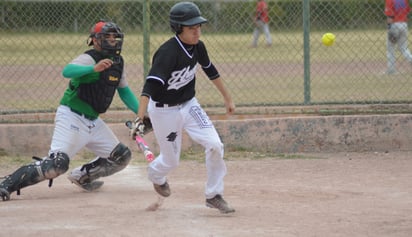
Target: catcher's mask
[184,14]
[109,38]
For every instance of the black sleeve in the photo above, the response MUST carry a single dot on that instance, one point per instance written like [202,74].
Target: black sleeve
[205,62]
[211,71]
[163,63]
[151,87]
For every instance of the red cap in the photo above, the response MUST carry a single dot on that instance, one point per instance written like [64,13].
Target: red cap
[97,28]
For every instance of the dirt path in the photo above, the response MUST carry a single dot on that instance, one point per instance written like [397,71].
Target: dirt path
[362,194]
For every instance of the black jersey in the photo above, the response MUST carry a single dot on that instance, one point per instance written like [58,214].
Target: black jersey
[174,66]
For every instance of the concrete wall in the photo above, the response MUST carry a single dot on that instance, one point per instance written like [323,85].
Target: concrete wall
[273,134]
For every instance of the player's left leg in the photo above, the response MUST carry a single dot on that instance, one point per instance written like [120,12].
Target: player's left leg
[403,42]
[202,131]
[112,156]
[390,55]
[200,128]
[267,34]
[86,176]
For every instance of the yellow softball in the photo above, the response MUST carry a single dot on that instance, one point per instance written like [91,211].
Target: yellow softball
[328,39]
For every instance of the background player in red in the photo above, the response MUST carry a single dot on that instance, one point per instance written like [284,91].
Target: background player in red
[261,20]
[168,96]
[397,12]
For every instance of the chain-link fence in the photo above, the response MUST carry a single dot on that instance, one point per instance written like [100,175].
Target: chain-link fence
[38,38]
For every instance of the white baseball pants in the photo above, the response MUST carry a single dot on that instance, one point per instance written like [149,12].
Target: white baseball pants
[73,132]
[168,124]
[402,29]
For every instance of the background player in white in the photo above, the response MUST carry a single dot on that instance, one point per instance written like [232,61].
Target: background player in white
[397,18]
[169,98]
[95,76]
[261,21]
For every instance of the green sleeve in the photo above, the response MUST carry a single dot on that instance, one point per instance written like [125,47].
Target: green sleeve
[76,71]
[128,98]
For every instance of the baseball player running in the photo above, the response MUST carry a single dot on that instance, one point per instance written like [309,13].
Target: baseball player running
[168,96]
[95,77]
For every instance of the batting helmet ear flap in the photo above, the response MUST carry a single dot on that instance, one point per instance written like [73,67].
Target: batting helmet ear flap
[177,28]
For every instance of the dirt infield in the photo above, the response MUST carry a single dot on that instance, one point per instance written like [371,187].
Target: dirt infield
[355,194]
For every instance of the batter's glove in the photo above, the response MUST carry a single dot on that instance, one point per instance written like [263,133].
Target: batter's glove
[141,127]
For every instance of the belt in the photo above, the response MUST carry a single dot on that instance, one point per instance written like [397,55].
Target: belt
[161,105]
[83,115]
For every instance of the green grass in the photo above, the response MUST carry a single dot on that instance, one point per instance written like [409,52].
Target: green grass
[58,48]
[347,72]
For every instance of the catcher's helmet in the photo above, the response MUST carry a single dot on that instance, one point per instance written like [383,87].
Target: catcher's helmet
[184,14]
[100,31]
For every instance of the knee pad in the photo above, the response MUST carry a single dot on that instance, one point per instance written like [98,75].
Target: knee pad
[121,155]
[119,158]
[55,165]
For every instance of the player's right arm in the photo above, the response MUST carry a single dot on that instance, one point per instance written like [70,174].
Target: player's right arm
[80,66]
[84,65]
[162,64]
[151,87]
[143,102]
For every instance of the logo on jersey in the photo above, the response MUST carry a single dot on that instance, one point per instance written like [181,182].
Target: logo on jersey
[181,78]
[113,78]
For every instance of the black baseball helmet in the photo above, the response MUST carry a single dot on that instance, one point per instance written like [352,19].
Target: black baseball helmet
[100,31]
[185,14]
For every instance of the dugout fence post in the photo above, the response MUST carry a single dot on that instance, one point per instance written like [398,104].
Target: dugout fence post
[146,37]
[306,50]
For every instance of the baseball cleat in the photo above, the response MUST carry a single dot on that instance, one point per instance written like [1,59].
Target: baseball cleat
[162,190]
[87,186]
[219,203]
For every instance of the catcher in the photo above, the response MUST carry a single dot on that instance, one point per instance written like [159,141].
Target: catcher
[95,75]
